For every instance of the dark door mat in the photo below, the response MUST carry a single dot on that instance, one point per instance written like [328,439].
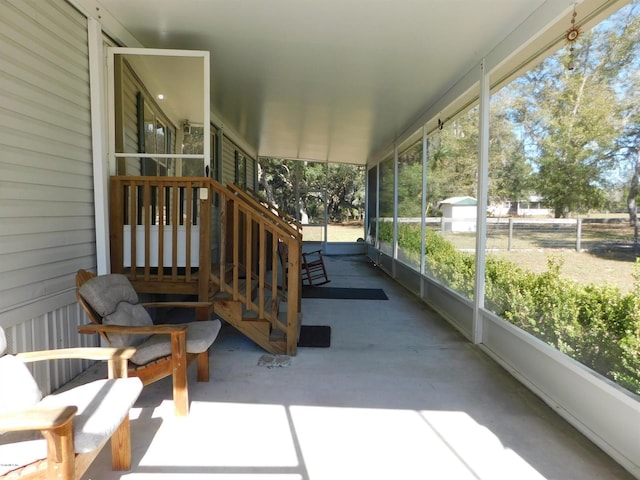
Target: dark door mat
[314,336]
[344,293]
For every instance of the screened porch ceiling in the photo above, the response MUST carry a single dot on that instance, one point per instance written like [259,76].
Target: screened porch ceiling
[338,80]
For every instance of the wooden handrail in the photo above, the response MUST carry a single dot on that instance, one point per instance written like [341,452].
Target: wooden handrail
[271,206]
[292,225]
[189,234]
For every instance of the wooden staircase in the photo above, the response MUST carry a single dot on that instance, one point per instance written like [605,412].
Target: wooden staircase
[193,236]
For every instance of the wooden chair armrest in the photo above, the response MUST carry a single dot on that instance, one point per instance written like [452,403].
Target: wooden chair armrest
[37,418]
[177,304]
[117,357]
[144,329]
[86,353]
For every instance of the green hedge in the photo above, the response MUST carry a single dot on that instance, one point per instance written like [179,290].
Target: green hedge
[597,325]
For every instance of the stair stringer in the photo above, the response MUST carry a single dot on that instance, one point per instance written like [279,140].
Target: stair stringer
[247,322]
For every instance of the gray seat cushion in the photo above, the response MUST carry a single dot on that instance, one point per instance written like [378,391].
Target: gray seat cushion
[200,336]
[115,300]
[105,292]
[128,315]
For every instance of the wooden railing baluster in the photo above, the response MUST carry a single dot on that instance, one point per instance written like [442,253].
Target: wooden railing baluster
[188,226]
[160,213]
[160,205]
[262,268]
[146,205]
[247,258]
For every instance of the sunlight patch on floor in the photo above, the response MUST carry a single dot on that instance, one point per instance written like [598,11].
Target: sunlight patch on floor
[378,444]
[232,440]
[223,435]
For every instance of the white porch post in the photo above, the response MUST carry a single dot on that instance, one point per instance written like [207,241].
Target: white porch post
[326,208]
[395,209]
[423,219]
[206,99]
[377,241]
[98,145]
[483,187]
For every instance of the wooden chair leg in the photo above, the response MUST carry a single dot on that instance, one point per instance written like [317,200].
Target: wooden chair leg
[180,387]
[60,452]
[203,366]
[121,446]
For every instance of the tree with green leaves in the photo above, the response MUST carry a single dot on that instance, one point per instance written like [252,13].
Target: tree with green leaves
[410,181]
[345,192]
[571,118]
[509,171]
[452,164]
[277,179]
[301,188]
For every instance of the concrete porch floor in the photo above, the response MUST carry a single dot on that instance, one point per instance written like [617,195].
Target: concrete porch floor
[400,394]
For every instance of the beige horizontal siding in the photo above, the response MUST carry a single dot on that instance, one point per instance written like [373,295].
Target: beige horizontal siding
[47,229]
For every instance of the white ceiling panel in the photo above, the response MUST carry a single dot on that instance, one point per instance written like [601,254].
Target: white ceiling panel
[332,80]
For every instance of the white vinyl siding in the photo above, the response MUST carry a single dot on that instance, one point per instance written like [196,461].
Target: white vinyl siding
[46,187]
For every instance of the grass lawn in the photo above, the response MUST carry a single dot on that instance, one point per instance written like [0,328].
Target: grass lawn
[335,233]
[606,255]
[582,267]
[606,258]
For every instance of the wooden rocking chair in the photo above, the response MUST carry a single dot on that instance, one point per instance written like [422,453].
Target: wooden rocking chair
[111,303]
[312,266]
[313,269]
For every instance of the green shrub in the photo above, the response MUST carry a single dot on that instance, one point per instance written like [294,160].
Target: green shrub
[595,324]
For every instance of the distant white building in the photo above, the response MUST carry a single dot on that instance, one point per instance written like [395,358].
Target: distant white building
[459,214]
[532,207]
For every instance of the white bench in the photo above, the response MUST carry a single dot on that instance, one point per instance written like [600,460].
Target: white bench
[58,436]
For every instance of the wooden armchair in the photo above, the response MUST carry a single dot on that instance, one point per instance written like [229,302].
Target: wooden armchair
[111,303]
[57,437]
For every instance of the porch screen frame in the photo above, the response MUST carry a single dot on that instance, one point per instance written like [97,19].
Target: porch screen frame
[112,155]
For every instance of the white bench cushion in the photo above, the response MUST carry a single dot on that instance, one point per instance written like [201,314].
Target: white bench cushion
[18,389]
[102,405]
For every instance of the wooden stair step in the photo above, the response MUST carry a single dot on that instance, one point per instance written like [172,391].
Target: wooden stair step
[228,309]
